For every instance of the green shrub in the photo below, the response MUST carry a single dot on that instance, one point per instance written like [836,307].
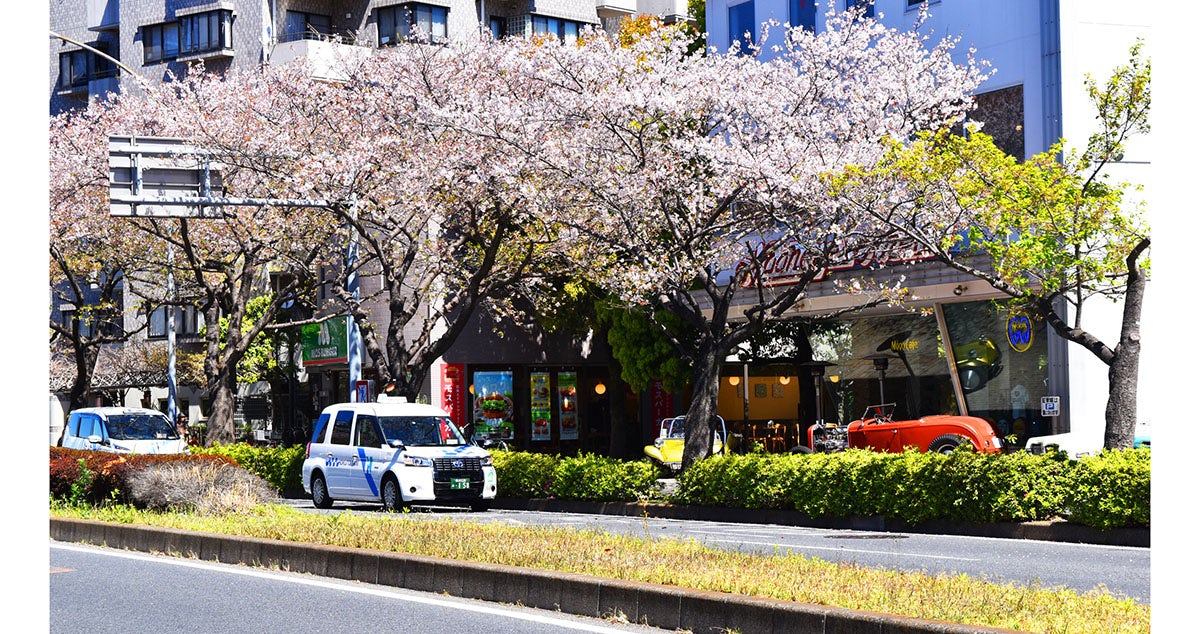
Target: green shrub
[279,466]
[602,479]
[1107,491]
[523,475]
[1111,490]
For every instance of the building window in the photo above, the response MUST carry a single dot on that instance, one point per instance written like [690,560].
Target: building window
[565,30]
[192,34]
[803,13]
[160,42]
[306,26]
[188,322]
[407,21]
[741,24]
[499,27]
[867,5]
[77,68]
[93,323]
[209,31]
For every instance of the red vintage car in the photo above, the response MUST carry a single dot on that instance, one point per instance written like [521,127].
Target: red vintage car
[876,430]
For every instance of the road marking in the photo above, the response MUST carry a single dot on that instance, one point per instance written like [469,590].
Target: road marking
[54,570]
[844,550]
[317,583]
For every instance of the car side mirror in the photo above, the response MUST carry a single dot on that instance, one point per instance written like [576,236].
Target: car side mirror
[95,439]
[396,443]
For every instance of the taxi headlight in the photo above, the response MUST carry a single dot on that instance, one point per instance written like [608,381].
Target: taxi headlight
[416,461]
[486,461]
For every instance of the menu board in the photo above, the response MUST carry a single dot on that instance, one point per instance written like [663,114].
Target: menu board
[493,403]
[539,405]
[568,405]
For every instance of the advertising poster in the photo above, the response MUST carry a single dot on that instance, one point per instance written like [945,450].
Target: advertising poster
[539,405]
[493,404]
[568,407]
[452,392]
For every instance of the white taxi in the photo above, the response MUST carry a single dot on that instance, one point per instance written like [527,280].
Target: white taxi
[397,453]
[122,430]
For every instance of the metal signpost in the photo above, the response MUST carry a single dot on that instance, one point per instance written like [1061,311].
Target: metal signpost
[158,177]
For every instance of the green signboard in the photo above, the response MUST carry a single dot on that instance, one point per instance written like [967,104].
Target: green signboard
[324,343]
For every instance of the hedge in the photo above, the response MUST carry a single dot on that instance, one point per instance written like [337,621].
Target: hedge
[1107,491]
[584,477]
[279,466]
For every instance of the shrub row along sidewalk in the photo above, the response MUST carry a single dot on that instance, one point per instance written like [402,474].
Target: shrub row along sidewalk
[1107,491]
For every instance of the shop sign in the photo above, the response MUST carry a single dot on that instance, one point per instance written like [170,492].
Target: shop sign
[1050,406]
[784,263]
[568,407]
[1020,331]
[324,343]
[539,405]
[661,404]
[453,392]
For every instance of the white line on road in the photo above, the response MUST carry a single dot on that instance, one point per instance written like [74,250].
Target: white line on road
[843,550]
[317,583]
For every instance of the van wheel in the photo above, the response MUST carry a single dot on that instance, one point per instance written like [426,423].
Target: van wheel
[320,493]
[393,501]
[947,443]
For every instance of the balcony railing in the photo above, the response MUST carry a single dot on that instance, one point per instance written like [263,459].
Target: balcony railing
[325,57]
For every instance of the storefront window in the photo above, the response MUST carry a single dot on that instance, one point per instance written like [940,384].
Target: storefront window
[568,406]
[893,359]
[539,405]
[1001,358]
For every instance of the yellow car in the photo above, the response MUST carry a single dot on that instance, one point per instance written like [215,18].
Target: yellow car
[667,449]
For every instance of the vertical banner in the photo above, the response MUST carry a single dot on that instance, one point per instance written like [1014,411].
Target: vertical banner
[568,407]
[539,405]
[494,404]
[662,405]
[453,392]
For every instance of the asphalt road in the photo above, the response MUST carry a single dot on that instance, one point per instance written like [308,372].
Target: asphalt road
[98,590]
[1122,571]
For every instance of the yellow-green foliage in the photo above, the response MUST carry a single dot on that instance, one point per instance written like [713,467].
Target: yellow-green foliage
[789,577]
[1108,491]
[279,466]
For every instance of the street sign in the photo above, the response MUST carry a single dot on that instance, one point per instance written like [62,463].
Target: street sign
[161,178]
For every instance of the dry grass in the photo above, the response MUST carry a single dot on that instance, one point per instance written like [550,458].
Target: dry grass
[203,487]
[791,577]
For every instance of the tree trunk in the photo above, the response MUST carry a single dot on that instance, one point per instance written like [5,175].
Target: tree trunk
[221,420]
[1120,415]
[618,433]
[706,376]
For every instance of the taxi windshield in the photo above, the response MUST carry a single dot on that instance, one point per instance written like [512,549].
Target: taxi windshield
[140,427]
[421,431]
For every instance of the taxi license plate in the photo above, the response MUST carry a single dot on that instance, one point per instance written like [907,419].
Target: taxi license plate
[460,483]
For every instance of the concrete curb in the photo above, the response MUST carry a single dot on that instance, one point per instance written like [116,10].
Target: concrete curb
[1056,531]
[656,605]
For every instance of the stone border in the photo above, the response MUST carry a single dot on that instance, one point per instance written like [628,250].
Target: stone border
[668,607]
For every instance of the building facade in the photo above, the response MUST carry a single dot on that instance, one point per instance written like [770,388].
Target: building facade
[967,353]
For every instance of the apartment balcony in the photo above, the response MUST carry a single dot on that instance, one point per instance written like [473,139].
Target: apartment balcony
[670,10]
[103,15]
[325,57]
[615,8]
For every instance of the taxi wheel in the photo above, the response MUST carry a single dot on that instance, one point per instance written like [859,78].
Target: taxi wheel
[393,501]
[481,505]
[320,493]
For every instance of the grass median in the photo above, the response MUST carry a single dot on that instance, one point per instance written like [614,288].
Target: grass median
[682,563]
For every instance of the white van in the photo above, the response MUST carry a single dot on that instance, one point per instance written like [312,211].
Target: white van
[122,430]
[397,453]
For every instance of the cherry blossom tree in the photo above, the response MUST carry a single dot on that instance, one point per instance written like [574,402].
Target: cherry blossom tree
[690,171]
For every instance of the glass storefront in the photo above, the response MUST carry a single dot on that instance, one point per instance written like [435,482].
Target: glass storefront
[999,360]
[1002,364]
